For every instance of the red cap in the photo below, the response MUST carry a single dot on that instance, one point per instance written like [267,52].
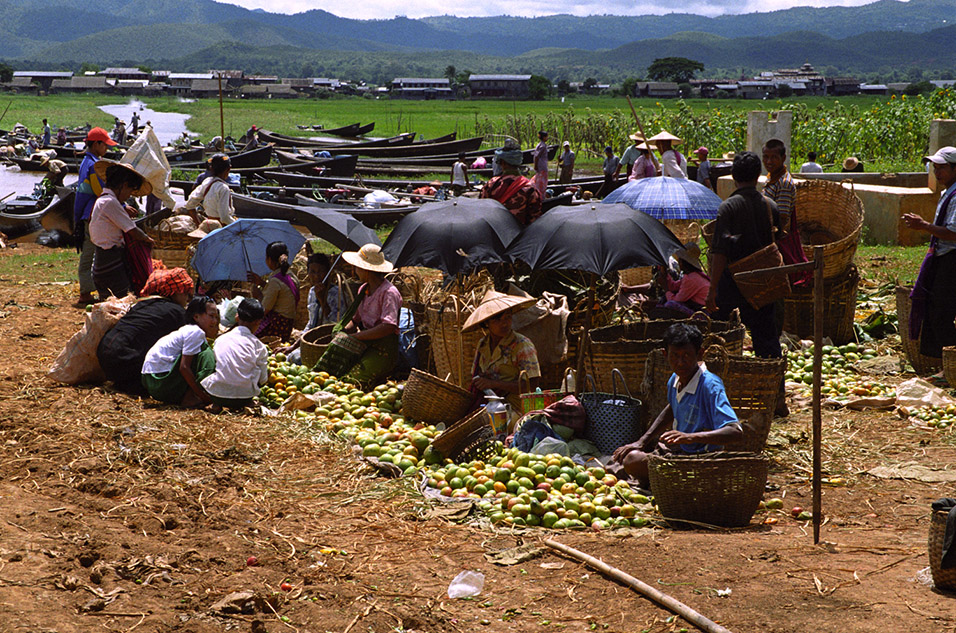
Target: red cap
[99,134]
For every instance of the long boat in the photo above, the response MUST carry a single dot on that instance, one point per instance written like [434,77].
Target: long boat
[416,149]
[369,217]
[284,140]
[253,159]
[250,207]
[353,130]
[447,160]
[56,214]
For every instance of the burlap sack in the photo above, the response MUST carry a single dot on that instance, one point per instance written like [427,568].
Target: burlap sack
[77,363]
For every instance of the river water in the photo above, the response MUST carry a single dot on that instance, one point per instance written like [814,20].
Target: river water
[168,126]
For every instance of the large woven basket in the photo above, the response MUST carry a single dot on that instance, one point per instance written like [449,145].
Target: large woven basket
[684,230]
[949,365]
[625,347]
[921,364]
[942,578]
[829,215]
[314,342]
[173,258]
[721,489]
[838,309]
[166,240]
[452,351]
[468,433]
[752,386]
[614,419]
[432,400]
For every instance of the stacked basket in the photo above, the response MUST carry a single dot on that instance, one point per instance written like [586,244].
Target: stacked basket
[921,364]
[453,351]
[170,247]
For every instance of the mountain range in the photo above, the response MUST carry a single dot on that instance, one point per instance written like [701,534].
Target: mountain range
[190,34]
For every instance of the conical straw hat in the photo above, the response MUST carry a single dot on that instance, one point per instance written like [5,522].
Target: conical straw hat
[492,304]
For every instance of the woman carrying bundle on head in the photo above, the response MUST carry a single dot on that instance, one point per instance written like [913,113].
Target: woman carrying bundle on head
[503,353]
[365,347]
[179,361]
[278,292]
[213,193]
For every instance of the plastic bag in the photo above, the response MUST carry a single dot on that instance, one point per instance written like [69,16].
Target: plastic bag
[551,445]
[916,392]
[228,310]
[467,583]
[146,156]
[77,363]
[374,199]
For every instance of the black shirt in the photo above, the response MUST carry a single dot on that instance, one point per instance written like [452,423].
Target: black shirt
[743,224]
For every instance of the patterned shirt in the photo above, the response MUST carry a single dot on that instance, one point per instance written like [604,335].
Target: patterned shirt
[782,191]
[382,306]
[515,353]
[524,202]
[702,405]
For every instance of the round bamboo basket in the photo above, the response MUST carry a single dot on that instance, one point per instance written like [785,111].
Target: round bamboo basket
[684,230]
[829,215]
[314,342]
[921,364]
[949,365]
[838,310]
[431,400]
[942,578]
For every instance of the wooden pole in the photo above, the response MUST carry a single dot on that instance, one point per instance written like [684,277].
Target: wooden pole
[222,119]
[666,601]
[583,344]
[640,128]
[818,299]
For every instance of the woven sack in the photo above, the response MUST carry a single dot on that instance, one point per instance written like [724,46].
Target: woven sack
[614,419]
[722,489]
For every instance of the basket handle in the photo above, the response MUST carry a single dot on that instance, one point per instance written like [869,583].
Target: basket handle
[524,374]
[700,315]
[615,373]
[589,380]
[461,341]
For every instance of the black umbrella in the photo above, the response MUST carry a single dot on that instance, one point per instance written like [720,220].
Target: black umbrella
[454,236]
[594,238]
[340,229]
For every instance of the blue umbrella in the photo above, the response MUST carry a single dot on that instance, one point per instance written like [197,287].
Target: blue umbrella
[667,198]
[236,249]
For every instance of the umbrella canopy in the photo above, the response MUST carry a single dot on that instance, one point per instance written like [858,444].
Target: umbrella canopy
[340,229]
[668,198]
[236,249]
[596,238]
[454,236]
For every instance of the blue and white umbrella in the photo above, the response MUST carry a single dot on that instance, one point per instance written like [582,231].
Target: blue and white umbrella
[667,198]
[235,250]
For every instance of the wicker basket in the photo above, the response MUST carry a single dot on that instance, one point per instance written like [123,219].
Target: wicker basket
[171,257]
[838,309]
[452,350]
[921,364]
[942,578]
[625,347]
[721,489]
[314,342]
[432,400]
[464,433]
[684,230]
[614,419]
[752,386]
[829,215]
[949,365]
[636,276]
[166,240]
[302,307]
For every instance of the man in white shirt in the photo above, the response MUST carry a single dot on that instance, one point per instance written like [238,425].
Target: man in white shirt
[242,361]
[811,166]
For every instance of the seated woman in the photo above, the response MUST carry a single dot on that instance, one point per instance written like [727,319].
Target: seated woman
[687,294]
[366,350]
[111,224]
[278,292]
[213,193]
[179,361]
[698,417]
[123,348]
[242,361]
[503,353]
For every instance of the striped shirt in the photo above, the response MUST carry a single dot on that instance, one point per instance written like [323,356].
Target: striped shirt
[782,191]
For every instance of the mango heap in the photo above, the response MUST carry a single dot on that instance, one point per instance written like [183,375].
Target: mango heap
[840,382]
[512,488]
[936,417]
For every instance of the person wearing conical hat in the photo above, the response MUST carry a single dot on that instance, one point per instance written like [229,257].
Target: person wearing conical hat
[111,226]
[645,166]
[366,349]
[632,153]
[503,353]
[673,163]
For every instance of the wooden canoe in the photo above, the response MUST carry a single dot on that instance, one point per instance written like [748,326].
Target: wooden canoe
[284,140]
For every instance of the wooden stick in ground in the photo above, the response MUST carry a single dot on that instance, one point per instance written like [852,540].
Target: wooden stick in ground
[818,307]
[666,601]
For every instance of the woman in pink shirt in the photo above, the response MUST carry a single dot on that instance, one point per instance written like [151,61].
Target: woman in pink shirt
[371,322]
[689,293]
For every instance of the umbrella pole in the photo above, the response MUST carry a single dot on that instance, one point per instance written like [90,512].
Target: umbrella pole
[582,345]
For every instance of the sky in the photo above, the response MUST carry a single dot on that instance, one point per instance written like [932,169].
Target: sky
[375,9]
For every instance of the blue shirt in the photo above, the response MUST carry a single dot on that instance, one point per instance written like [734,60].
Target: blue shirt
[88,189]
[701,406]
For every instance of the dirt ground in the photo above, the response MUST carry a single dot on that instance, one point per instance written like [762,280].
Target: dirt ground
[121,515]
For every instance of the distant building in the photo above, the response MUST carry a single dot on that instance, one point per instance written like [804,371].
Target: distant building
[207,88]
[658,89]
[507,86]
[874,89]
[85,83]
[125,74]
[422,88]
[325,83]
[159,76]
[181,83]
[42,78]
[259,80]
[266,91]
[839,86]
[755,89]
[231,78]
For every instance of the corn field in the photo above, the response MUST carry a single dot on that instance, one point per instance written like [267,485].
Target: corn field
[890,136]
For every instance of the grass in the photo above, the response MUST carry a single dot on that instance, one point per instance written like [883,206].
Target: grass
[49,266]
[890,263]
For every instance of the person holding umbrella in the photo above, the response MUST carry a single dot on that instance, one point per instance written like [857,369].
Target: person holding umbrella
[365,347]
[502,353]
[278,292]
[512,189]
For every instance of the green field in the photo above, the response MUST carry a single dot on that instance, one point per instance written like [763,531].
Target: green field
[888,134]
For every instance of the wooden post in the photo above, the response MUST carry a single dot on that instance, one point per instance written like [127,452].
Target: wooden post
[222,118]
[818,299]
[583,345]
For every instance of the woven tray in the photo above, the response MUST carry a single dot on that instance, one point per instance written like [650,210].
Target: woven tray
[921,364]
[431,400]
[942,578]
[829,215]
[722,489]
[838,309]
[949,365]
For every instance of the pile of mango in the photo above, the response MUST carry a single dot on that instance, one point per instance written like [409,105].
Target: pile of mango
[840,382]
[936,417]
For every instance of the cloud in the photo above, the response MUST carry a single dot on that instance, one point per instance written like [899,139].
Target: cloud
[378,9]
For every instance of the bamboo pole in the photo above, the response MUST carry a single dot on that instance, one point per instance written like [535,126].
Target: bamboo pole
[222,119]
[664,600]
[583,344]
[640,128]
[818,299]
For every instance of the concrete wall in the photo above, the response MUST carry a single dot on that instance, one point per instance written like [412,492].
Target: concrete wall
[883,206]
[761,127]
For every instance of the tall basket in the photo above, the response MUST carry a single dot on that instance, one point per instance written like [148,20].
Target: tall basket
[921,364]
[452,350]
[942,578]
[838,310]
[614,419]
[829,215]
[431,400]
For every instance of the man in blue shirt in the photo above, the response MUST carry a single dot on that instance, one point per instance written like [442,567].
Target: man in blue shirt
[46,133]
[698,417]
[88,189]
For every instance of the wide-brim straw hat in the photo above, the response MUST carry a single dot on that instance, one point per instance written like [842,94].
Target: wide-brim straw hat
[664,135]
[494,303]
[102,165]
[690,254]
[206,227]
[636,136]
[369,257]
[643,147]
[851,162]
